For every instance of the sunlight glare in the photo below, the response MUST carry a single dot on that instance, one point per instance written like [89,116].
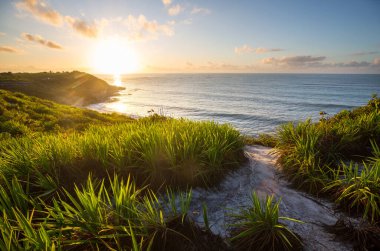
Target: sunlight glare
[112,56]
[117,80]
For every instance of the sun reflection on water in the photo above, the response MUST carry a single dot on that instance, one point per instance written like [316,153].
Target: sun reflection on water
[117,80]
[117,106]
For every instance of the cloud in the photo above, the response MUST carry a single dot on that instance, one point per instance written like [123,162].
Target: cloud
[166,2]
[41,11]
[187,21]
[175,10]
[212,66]
[246,49]
[354,64]
[2,34]
[364,53]
[142,29]
[295,61]
[198,10]
[41,40]
[318,62]
[376,62]
[8,49]
[90,30]
[265,50]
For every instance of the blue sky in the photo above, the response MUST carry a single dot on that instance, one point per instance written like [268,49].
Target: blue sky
[190,36]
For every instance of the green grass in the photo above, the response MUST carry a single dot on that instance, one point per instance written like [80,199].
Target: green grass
[169,151]
[72,88]
[258,228]
[263,139]
[313,156]
[95,216]
[24,115]
[55,187]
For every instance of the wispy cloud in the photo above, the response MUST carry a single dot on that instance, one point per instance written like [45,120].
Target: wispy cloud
[166,2]
[364,53]
[199,10]
[2,34]
[246,49]
[8,49]
[140,28]
[353,64]
[266,50]
[40,10]
[317,62]
[42,41]
[175,10]
[295,61]
[376,62]
[212,66]
[82,27]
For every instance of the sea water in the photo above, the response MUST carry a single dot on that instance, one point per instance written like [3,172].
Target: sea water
[252,103]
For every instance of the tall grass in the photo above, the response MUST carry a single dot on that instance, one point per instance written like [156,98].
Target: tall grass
[258,228]
[120,217]
[313,155]
[172,152]
[357,190]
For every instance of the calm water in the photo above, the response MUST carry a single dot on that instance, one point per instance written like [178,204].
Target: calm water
[253,103]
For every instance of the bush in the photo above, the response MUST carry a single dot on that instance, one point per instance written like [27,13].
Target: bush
[258,228]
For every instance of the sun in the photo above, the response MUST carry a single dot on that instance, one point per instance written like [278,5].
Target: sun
[113,56]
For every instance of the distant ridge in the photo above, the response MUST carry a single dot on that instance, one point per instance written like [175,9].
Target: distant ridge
[72,88]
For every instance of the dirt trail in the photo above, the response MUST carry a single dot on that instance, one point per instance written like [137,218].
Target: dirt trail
[261,175]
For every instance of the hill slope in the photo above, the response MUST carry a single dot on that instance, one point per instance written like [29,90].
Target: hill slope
[72,88]
[21,114]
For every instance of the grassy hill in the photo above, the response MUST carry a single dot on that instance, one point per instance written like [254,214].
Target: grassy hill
[72,88]
[21,115]
[61,189]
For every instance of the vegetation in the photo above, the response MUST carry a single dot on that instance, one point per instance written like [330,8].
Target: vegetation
[56,162]
[72,88]
[338,157]
[96,217]
[55,187]
[258,228]
[263,139]
[363,236]
[174,152]
[22,115]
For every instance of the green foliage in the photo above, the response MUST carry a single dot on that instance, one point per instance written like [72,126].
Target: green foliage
[92,217]
[22,115]
[358,190]
[312,155]
[72,88]
[171,152]
[258,228]
[263,139]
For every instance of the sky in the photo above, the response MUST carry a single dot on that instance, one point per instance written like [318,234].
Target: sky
[190,36]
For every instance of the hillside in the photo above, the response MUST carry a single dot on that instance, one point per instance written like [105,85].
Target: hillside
[21,115]
[72,88]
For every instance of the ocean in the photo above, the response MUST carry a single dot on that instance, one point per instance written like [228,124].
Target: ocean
[252,103]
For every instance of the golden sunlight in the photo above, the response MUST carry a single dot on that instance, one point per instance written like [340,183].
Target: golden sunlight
[112,56]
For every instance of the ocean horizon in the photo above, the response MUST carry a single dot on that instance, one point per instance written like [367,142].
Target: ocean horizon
[252,103]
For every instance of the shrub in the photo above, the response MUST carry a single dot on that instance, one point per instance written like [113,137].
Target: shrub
[258,228]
